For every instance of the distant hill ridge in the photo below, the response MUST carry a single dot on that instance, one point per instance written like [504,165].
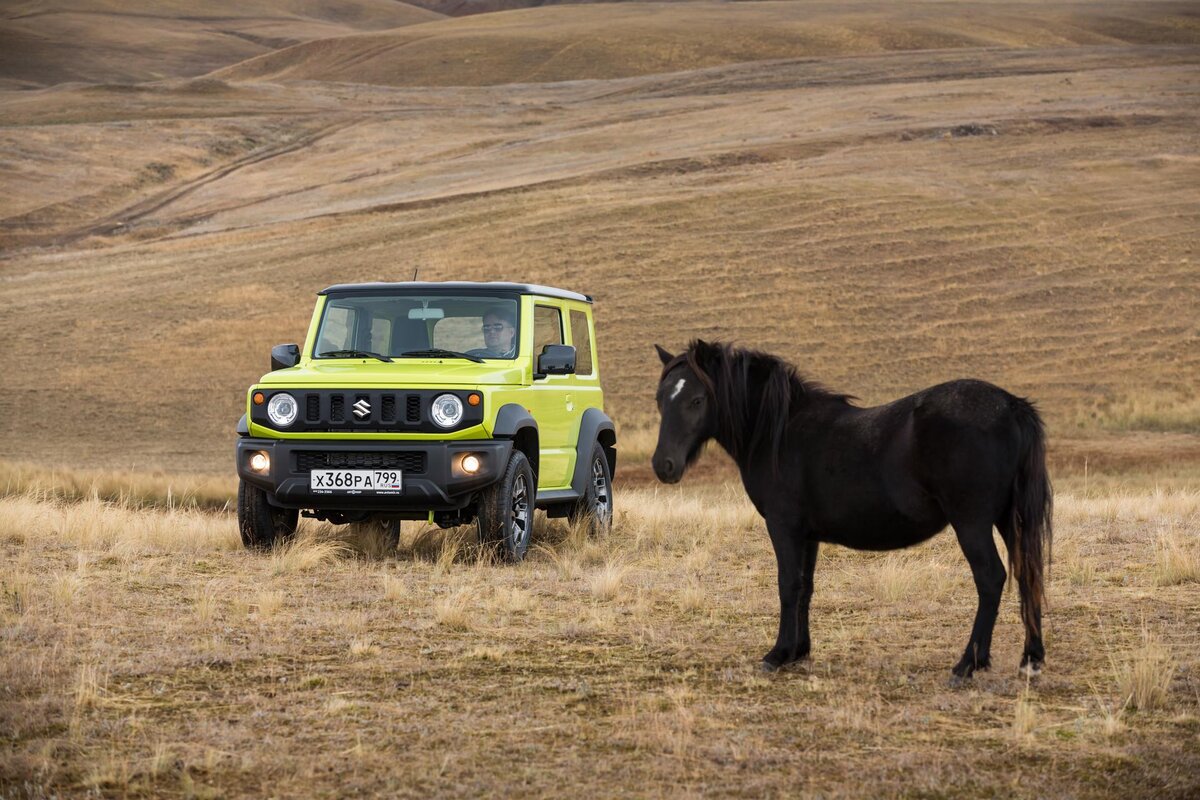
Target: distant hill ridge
[599,42]
[49,42]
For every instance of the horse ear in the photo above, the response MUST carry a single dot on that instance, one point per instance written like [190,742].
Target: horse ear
[664,355]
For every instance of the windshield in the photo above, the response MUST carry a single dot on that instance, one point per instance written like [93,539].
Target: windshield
[414,326]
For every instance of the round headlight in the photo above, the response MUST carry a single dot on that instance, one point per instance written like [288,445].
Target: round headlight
[282,409]
[447,410]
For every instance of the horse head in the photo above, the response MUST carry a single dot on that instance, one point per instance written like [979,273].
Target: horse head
[687,405]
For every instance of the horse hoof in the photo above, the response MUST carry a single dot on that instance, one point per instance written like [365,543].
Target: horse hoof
[768,667]
[959,681]
[1030,670]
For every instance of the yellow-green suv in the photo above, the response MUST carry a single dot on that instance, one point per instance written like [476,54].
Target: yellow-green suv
[448,402]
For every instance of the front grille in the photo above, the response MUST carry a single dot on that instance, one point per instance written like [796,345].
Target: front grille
[407,461]
[391,410]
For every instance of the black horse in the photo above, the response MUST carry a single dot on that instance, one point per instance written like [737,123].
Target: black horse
[820,469]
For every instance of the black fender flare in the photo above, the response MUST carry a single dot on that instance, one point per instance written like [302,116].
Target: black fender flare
[513,421]
[594,426]
[242,428]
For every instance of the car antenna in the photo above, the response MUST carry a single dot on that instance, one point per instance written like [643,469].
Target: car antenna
[415,273]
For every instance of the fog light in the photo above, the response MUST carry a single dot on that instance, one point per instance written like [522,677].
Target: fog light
[260,462]
[470,464]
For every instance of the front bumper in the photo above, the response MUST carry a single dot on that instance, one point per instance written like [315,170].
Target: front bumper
[432,478]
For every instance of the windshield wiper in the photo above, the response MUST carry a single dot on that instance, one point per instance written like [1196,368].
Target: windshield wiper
[437,351]
[352,354]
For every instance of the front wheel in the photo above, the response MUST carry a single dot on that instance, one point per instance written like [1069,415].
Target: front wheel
[595,510]
[260,523]
[506,510]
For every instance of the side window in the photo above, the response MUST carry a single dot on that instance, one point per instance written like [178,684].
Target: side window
[581,336]
[337,331]
[547,328]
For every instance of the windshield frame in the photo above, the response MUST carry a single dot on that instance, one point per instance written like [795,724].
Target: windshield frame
[328,301]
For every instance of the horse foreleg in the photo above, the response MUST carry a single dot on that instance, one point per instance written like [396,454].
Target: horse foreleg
[790,549]
[806,591]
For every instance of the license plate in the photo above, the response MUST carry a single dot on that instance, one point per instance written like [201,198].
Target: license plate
[354,481]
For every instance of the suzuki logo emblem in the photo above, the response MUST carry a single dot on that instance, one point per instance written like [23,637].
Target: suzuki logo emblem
[362,409]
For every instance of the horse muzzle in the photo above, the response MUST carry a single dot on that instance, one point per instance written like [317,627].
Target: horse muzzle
[667,470]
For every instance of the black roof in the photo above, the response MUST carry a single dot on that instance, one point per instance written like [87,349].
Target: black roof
[405,287]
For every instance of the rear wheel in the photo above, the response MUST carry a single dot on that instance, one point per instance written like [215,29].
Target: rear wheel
[596,508]
[260,523]
[506,510]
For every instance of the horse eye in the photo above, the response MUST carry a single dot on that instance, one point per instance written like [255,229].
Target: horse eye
[695,402]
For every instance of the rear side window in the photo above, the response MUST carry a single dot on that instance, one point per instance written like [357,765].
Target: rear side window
[581,336]
[547,327]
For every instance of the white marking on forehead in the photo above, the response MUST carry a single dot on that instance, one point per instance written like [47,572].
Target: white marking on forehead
[678,388]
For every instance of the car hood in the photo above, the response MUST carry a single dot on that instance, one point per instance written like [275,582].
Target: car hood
[401,372]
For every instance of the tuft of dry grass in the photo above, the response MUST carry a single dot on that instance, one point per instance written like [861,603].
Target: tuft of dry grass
[65,589]
[606,582]
[268,604]
[393,587]
[91,685]
[1178,558]
[894,578]
[512,600]
[205,602]
[17,588]
[363,647]
[306,552]
[692,598]
[1144,678]
[453,611]
[1024,716]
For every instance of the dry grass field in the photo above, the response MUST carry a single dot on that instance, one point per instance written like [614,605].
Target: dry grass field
[888,194]
[146,654]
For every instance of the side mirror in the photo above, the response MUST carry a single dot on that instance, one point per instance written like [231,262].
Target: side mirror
[556,359]
[284,356]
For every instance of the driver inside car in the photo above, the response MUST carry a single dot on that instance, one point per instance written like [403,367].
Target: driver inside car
[499,334]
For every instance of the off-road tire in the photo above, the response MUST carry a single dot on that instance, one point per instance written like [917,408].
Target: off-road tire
[506,510]
[595,510]
[260,523]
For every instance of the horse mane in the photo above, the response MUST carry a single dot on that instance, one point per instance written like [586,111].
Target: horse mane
[733,376]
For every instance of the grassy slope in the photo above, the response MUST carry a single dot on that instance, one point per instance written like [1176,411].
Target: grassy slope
[575,42]
[92,41]
[831,210]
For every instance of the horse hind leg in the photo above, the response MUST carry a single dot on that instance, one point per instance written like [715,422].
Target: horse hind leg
[1034,655]
[975,539]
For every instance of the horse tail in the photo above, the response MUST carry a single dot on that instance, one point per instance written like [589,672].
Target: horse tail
[1031,513]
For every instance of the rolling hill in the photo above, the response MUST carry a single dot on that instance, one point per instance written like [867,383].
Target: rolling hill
[600,42]
[48,42]
[885,217]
